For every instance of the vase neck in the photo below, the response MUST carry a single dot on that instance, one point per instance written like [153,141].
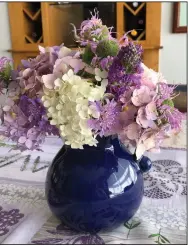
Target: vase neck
[103,143]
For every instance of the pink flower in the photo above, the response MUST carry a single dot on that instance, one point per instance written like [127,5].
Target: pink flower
[8,118]
[125,98]
[64,51]
[128,115]
[133,131]
[76,64]
[28,143]
[142,96]
[9,103]
[142,120]
[60,68]
[64,64]
[148,141]
[26,73]
[48,80]
[13,89]
[150,78]
[32,134]
[151,111]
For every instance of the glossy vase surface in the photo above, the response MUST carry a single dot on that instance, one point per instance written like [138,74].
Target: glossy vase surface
[95,188]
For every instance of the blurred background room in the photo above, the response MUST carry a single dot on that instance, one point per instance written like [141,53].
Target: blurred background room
[161,27]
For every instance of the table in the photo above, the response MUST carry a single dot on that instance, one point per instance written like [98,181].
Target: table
[25,214]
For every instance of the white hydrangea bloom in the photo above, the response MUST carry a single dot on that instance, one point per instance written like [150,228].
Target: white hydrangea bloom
[68,106]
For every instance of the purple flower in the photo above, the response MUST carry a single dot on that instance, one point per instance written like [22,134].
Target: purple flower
[125,98]
[142,119]
[26,123]
[142,96]
[165,106]
[172,116]
[13,89]
[32,108]
[43,63]
[151,111]
[108,120]
[4,61]
[125,70]
[30,79]
[130,57]
[133,131]
[91,28]
[165,92]
[6,73]
[103,63]
[92,31]
[147,142]
[45,126]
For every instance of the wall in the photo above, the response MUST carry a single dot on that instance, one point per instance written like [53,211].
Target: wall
[5,40]
[172,57]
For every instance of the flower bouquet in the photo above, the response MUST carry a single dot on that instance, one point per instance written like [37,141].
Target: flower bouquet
[98,91]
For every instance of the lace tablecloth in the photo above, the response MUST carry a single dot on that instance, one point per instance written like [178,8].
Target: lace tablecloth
[161,218]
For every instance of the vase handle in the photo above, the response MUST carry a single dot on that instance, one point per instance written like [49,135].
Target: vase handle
[145,164]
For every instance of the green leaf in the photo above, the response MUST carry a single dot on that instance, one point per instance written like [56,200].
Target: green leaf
[153,235]
[168,102]
[136,224]
[165,239]
[127,226]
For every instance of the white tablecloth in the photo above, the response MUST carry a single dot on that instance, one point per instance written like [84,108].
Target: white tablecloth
[24,190]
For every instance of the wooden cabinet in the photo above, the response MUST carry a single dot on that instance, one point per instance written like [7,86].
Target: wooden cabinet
[46,24]
[149,16]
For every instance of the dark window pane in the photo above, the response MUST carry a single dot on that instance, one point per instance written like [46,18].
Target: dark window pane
[76,12]
[135,19]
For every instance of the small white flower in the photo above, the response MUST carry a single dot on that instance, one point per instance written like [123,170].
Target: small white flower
[52,110]
[53,122]
[99,75]
[93,111]
[46,104]
[6,108]
[58,82]
[64,51]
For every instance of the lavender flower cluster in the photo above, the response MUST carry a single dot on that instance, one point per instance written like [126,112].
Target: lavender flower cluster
[110,90]
[23,115]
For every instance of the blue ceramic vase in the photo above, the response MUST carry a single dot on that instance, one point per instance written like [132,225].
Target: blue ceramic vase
[97,187]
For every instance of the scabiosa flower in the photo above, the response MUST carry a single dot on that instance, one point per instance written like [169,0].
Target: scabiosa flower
[108,119]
